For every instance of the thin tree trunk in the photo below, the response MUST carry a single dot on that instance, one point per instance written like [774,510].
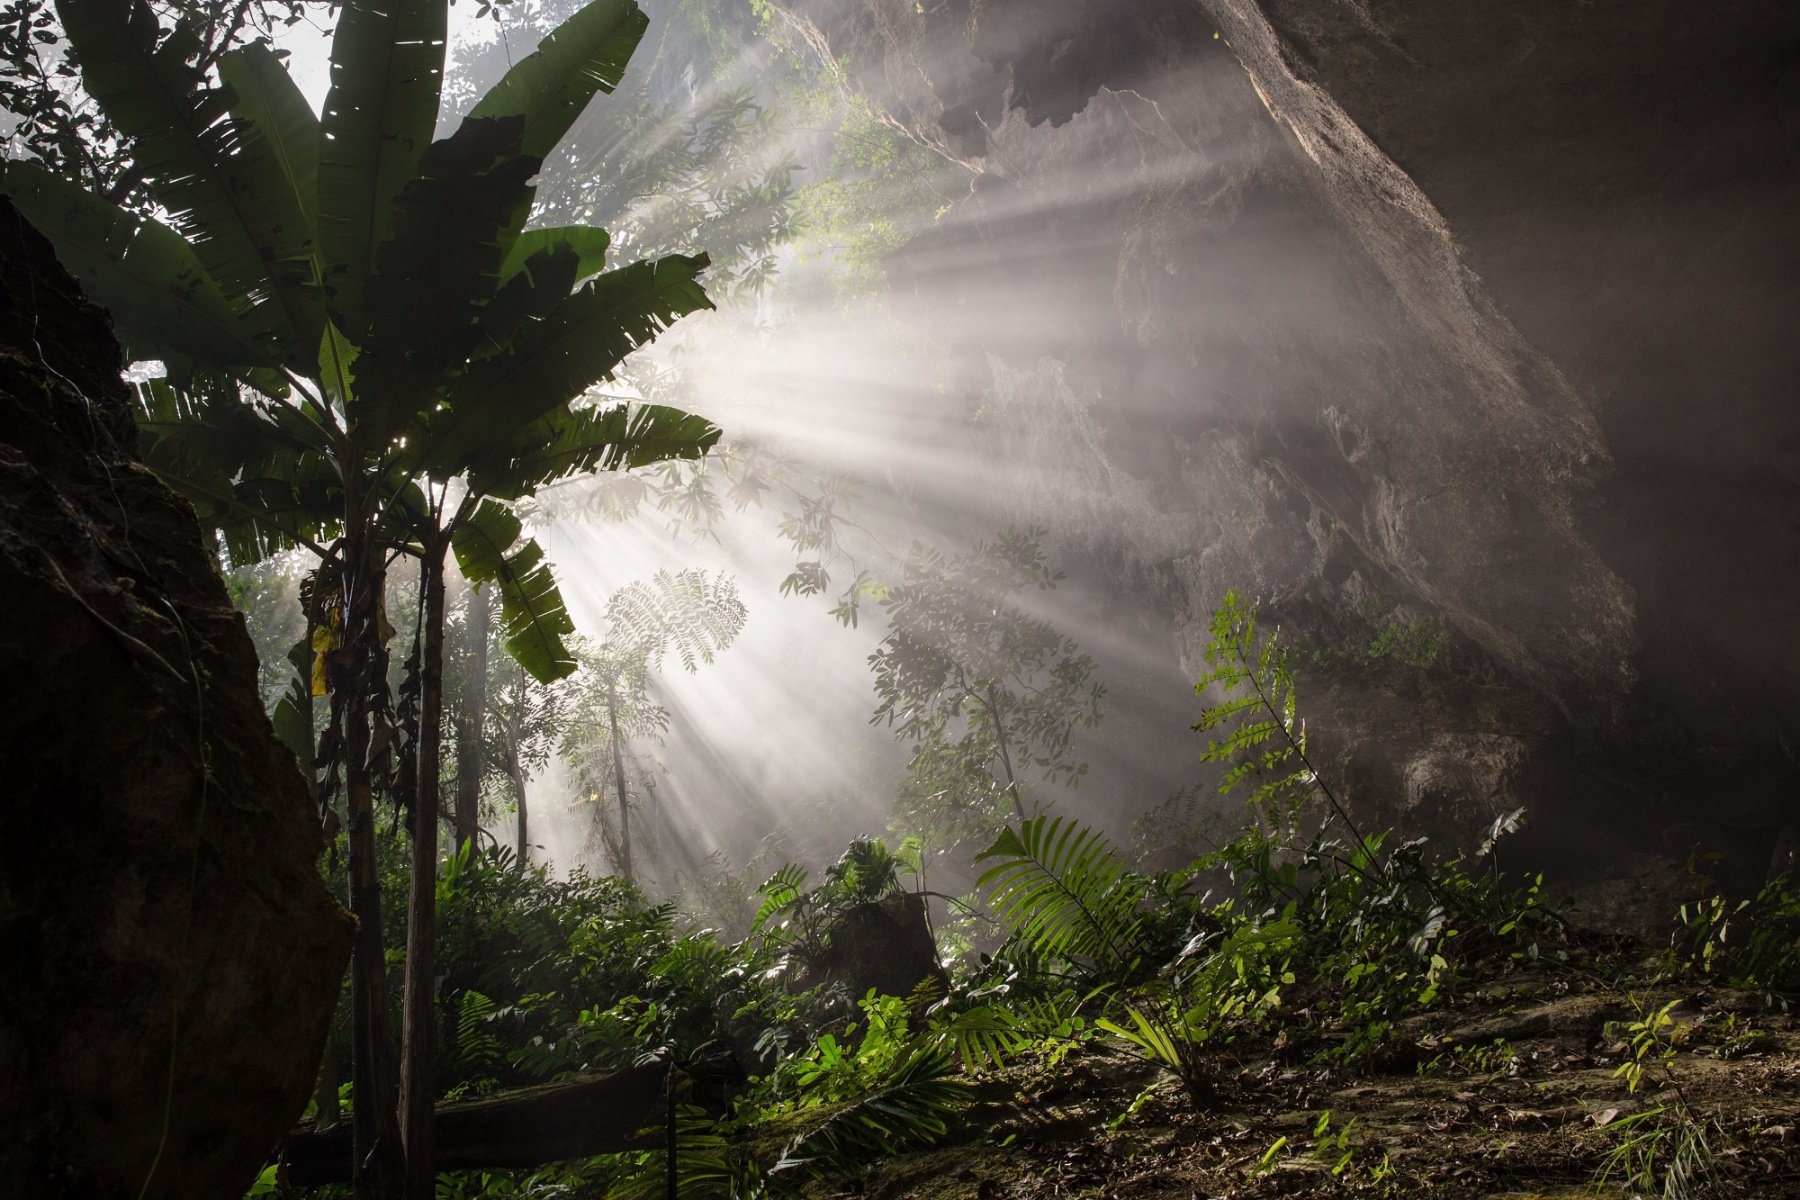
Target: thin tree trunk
[518,781]
[418,1037]
[376,1133]
[1012,784]
[612,717]
[471,725]
[325,1091]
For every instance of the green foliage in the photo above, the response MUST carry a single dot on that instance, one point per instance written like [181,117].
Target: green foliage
[1665,1149]
[533,620]
[1752,944]
[910,1106]
[989,695]
[1263,747]
[547,977]
[338,299]
[1066,894]
[1220,987]
[797,920]
[1417,642]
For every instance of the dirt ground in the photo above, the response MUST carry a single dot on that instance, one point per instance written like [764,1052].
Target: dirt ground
[1510,1094]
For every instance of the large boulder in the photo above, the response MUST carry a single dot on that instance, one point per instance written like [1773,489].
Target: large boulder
[171,953]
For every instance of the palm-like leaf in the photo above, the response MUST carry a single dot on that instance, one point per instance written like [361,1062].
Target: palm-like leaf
[164,303]
[276,121]
[434,276]
[550,88]
[580,343]
[224,191]
[533,618]
[911,1108]
[1065,891]
[566,442]
[589,245]
[387,74]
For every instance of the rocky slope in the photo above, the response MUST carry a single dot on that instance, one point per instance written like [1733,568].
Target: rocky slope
[1463,334]
[1511,1096]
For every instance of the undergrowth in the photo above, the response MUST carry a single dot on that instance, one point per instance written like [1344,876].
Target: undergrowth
[1300,937]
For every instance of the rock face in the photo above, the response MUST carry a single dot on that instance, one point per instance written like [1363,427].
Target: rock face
[1462,334]
[172,955]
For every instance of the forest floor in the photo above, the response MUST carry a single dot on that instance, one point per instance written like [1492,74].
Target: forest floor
[1509,1092]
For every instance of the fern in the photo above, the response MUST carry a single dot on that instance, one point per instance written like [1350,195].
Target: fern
[686,611]
[988,1037]
[1066,892]
[912,1107]
[1263,742]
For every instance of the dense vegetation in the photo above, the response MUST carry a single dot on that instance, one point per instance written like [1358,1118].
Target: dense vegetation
[350,442]
[1299,937]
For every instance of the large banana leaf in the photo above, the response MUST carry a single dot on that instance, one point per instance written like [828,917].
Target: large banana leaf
[387,74]
[564,442]
[256,474]
[275,119]
[162,300]
[455,223]
[224,192]
[587,243]
[554,360]
[533,618]
[550,88]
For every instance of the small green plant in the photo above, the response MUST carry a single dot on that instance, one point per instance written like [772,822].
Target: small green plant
[1418,643]
[1752,944]
[1667,1149]
[1335,1150]
[1220,987]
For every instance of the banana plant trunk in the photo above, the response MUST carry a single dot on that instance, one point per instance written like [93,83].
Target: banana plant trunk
[516,769]
[471,725]
[380,1165]
[418,1037]
[612,717]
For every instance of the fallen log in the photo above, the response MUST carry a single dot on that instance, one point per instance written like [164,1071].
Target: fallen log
[528,1127]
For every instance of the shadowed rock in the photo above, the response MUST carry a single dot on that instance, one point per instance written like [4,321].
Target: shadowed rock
[172,955]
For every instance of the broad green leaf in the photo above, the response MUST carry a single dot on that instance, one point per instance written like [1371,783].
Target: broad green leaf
[337,364]
[550,88]
[556,359]
[223,191]
[564,442]
[271,110]
[387,73]
[588,244]
[438,271]
[293,715]
[164,303]
[533,619]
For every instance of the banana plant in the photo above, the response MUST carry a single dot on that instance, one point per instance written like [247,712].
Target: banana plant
[357,328]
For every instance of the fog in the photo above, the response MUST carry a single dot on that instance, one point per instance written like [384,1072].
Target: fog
[770,749]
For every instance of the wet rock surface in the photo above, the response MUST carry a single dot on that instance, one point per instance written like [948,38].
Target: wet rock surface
[1460,334]
[172,955]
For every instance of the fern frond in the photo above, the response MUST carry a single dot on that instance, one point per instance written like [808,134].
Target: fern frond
[912,1108]
[1065,891]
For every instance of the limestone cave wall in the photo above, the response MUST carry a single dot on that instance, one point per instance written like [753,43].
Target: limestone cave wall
[1462,334]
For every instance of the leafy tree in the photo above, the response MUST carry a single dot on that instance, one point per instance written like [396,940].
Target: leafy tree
[684,612]
[988,694]
[353,318]
[524,720]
